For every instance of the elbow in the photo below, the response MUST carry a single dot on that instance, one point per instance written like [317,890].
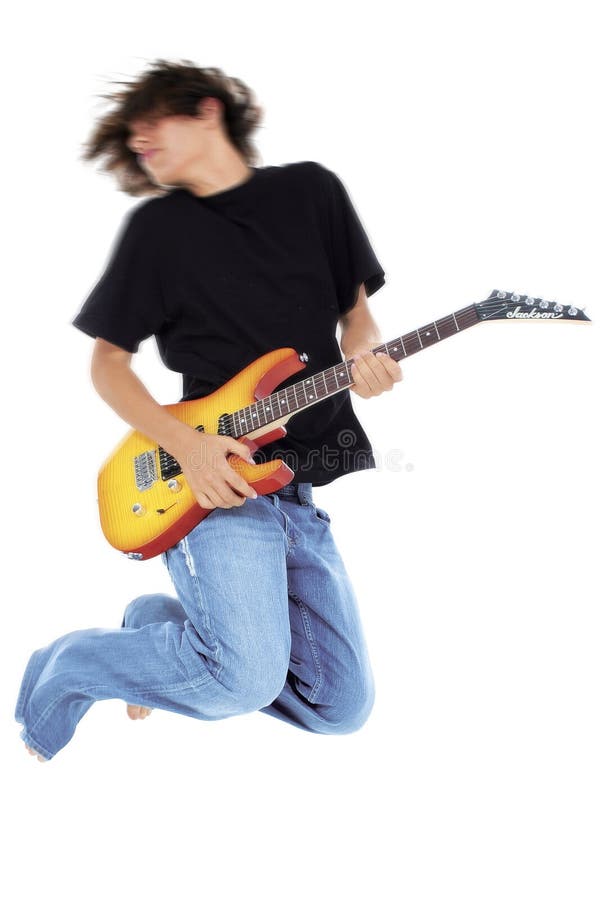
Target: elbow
[106,359]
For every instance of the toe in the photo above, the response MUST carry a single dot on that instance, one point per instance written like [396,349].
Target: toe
[35,753]
[138,712]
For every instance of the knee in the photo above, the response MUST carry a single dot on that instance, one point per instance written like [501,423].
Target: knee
[146,608]
[254,683]
[351,711]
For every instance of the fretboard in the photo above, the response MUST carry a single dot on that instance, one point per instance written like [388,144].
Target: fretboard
[338,378]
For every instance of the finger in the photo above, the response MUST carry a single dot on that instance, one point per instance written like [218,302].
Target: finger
[204,500]
[381,371]
[210,488]
[228,497]
[364,375]
[235,488]
[360,386]
[221,494]
[238,483]
[233,478]
[392,367]
[240,450]
[357,370]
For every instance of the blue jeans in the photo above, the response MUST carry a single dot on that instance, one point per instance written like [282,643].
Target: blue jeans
[265,619]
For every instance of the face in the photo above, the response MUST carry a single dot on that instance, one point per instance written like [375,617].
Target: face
[169,147]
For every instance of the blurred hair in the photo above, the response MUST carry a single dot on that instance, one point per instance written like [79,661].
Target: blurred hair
[168,88]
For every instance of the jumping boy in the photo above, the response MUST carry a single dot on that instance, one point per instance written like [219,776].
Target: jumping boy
[224,262]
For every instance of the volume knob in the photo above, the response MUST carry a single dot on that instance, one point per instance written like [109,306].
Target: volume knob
[138,509]
[173,485]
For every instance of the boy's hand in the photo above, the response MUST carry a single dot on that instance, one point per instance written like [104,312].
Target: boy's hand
[214,483]
[373,373]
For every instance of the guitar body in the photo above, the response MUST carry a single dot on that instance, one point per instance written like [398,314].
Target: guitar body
[143,512]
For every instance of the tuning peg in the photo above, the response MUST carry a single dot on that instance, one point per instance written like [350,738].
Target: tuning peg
[544,304]
[529,301]
[501,295]
[558,308]
[572,311]
[515,297]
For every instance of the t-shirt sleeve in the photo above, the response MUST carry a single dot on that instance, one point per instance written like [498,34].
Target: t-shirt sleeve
[126,306]
[353,258]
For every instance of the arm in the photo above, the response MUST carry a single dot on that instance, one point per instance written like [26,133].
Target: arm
[371,374]
[202,457]
[359,328]
[119,386]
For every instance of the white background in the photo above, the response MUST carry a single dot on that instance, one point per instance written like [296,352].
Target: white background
[467,136]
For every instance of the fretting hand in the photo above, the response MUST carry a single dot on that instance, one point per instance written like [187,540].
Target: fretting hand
[373,373]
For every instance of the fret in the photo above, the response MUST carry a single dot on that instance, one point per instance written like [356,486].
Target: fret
[296,403]
[324,389]
[426,332]
[447,327]
[410,338]
[338,377]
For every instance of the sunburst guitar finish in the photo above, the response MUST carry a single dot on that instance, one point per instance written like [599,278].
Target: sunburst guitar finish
[146,506]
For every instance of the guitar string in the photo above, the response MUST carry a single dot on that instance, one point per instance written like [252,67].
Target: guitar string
[329,378]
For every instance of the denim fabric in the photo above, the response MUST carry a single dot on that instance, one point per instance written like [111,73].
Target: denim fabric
[265,619]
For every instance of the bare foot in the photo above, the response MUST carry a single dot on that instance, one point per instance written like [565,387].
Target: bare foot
[138,712]
[35,753]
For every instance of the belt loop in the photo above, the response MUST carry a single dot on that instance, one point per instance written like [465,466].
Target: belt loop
[305,493]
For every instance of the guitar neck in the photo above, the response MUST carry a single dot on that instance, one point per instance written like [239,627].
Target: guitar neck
[331,381]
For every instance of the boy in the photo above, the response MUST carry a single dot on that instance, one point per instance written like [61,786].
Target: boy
[225,262]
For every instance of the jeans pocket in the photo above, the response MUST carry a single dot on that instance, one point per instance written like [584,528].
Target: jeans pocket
[323,515]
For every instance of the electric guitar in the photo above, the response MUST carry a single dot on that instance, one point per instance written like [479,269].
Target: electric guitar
[145,503]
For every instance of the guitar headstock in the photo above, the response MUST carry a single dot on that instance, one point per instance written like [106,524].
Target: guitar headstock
[504,305]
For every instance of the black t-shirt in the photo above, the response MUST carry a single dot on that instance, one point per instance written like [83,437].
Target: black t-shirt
[220,280]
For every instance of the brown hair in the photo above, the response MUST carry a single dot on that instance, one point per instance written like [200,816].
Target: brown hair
[169,88]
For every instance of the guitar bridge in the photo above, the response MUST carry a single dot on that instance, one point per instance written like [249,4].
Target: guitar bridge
[145,470]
